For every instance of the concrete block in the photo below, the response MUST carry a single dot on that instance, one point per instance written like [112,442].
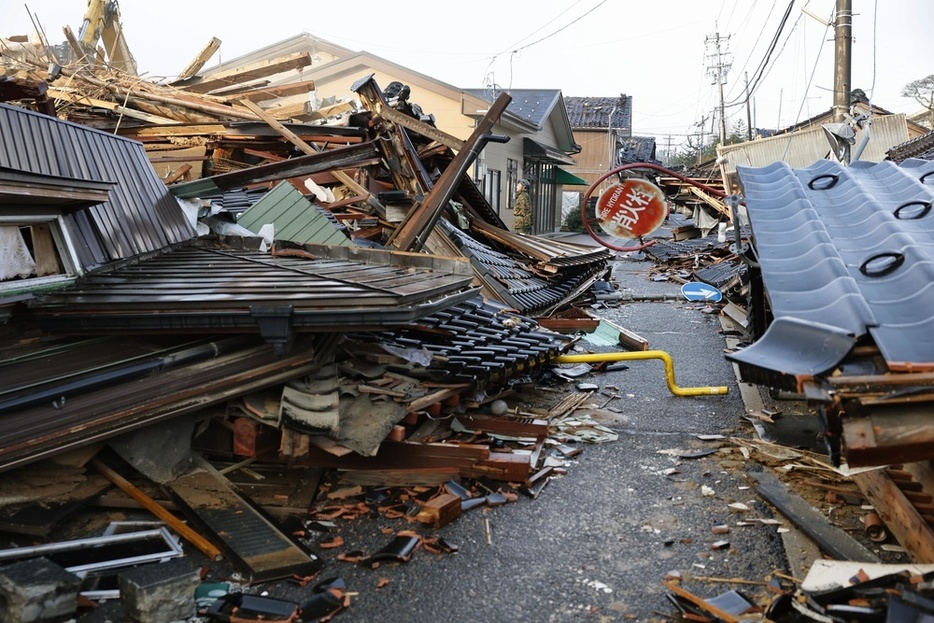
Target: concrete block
[37,591]
[156,593]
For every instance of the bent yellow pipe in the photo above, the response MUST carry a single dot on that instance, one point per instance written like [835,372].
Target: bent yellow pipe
[647,354]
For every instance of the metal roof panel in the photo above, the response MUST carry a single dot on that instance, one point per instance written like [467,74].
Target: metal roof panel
[851,247]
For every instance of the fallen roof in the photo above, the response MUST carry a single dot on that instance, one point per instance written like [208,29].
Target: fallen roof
[844,250]
[209,290]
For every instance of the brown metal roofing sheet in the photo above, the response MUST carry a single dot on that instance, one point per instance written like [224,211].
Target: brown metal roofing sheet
[851,247]
[127,396]
[209,289]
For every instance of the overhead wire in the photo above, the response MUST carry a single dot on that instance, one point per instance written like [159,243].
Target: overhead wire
[765,23]
[807,88]
[761,70]
[569,24]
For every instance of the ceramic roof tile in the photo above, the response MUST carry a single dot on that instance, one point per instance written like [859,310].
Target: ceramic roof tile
[594,112]
[850,247]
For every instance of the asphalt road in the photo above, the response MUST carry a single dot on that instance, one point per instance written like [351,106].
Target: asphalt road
[599,541]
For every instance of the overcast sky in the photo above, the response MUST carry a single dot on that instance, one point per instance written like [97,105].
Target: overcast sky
[656,51]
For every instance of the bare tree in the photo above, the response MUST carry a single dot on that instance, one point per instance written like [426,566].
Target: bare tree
[922,91]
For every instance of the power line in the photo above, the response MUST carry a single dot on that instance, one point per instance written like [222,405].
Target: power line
[760,71]
[571,23]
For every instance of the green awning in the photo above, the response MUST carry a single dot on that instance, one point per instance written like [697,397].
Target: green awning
[569,179]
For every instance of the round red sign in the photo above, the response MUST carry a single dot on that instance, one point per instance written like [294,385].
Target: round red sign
[631,209]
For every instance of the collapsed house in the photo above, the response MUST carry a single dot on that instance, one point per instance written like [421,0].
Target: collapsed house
[842,299]
[319,297]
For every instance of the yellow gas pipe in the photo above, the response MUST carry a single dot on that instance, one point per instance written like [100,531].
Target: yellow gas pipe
[647,354]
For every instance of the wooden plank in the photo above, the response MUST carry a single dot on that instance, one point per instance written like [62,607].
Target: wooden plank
[505,426]
[892,438]
[440,510]
[177,174]
[205,546]
[261,94]
[290,136]
[812,522]
[44,251]
[904,522]
[240,75]
[198,62]
[508,467]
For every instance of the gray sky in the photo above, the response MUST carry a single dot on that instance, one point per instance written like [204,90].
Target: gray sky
[656,52]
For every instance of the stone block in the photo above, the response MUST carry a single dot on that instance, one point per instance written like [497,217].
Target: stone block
[157,593]
[37,591]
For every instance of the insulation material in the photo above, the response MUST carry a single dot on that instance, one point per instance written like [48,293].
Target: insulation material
[15,260]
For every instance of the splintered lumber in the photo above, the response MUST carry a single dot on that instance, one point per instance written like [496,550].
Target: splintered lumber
[198,62]
[78,98]
[260,94]
[290,136]
[246,73]
[205,546]
[194,103]
[901,518]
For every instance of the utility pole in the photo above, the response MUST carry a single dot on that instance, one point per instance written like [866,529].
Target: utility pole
[842,37]
[748,110]
[718,69]
[668,152]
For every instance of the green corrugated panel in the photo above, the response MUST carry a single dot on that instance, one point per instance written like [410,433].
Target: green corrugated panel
[294,218]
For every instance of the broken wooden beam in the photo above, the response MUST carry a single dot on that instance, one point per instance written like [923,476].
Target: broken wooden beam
[246,73]
[420,220]
[815,525]
[205,546]
[198,62]
[901,518]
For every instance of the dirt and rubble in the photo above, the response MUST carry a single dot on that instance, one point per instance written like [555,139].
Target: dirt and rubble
[658,507]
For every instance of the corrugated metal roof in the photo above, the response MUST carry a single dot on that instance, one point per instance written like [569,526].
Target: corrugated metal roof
[593,113]
[141,216]
[293,217]
[517,285]
[208,290]
[801,148]
[851,249]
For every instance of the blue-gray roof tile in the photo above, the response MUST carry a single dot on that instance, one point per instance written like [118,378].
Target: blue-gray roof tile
[850,247]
